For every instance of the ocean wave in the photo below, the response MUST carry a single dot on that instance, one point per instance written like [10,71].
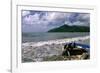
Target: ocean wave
[57,41]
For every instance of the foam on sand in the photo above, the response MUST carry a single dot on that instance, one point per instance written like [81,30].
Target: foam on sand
[57,41]
[46,50]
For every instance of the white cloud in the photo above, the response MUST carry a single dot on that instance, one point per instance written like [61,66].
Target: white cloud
[31,19]
[24,13]
[79,23]
[33,22]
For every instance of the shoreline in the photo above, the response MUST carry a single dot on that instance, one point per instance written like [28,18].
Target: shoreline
[57,41]
[47,50]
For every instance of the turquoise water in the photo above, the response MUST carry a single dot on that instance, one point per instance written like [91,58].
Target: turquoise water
[36,37]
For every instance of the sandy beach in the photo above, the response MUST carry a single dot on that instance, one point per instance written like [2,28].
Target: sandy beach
[45,50]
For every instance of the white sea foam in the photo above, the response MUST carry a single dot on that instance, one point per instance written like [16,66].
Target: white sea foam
[57,41]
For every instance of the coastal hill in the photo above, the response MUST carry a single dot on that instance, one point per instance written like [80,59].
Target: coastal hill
[67,28]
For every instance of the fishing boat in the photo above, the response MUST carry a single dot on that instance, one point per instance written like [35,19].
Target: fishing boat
[76,49]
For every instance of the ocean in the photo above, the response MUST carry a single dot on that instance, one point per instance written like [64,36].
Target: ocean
[41,36]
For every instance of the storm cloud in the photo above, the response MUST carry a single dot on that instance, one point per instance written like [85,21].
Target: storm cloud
[42,21]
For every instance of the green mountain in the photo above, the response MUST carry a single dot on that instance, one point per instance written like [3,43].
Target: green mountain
[67,28]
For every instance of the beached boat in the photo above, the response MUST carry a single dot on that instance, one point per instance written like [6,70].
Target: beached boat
[76,49]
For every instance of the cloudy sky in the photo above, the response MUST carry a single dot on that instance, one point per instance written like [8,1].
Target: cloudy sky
[42,21]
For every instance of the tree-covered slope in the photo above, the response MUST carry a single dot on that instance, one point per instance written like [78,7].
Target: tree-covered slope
[66,28]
